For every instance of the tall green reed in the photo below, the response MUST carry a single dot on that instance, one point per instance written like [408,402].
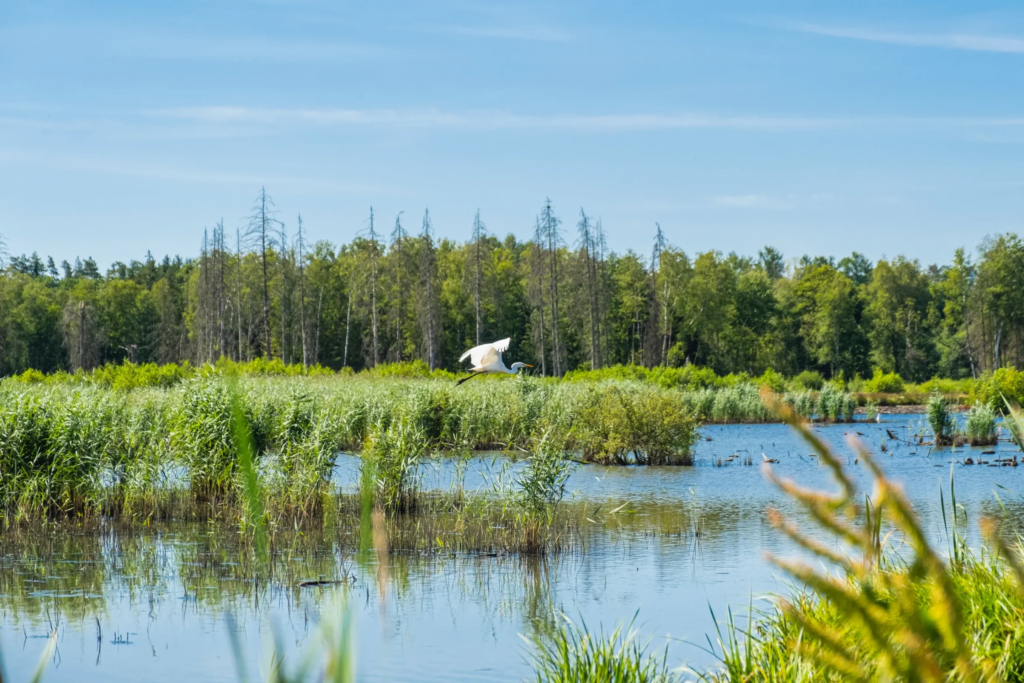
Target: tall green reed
[941,420]
[980,429]
[875,616]
[575,655]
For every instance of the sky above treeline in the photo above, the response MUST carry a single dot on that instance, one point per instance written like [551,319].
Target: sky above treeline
[822,128]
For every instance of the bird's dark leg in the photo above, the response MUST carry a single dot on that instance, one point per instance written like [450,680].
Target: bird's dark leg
[466,379]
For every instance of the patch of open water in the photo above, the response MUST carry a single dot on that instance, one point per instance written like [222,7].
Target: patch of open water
[160,598]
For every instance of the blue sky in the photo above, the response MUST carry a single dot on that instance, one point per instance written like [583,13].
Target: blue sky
[884,128]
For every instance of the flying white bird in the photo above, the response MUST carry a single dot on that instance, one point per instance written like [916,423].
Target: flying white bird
[486,359]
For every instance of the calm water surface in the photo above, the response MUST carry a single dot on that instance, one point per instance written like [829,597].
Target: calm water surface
[161,599]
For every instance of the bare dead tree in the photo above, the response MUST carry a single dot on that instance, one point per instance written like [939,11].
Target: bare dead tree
[429,311]
[260,230]
[600,248]
[302,292]
[81,336]
[282,267]
[238,291]
[316,335]
[664,294]
[374,239]
[398,239]
[552,235]
[348,327]
[202,303]
[537,289]
[479,232]
[218,239]
[586,247]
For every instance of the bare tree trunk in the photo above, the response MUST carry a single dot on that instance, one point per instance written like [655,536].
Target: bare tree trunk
[81,334]
[599,272]
[398,236]
[302,298]
[316,337]
[551,227]
[220,288]
[238,281]
[995,354]
[428,313]
[268,351]
[967,341]
[478,233]
[348,326]
[537,266]
[373,289]
[282,267]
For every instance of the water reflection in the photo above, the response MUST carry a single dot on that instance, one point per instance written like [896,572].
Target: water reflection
[151,602]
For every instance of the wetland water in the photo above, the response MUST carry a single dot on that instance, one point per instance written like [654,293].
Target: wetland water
[679,540]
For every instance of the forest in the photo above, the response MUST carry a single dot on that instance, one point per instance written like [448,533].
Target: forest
[398,293]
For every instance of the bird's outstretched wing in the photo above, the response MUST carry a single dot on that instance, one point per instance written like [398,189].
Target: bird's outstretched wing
[486,354]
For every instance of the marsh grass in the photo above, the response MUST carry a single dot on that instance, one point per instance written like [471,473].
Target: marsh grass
[572,654]
[70,449]
[941,420]
[389,464]
[980,428]
[329,657]
[915,616]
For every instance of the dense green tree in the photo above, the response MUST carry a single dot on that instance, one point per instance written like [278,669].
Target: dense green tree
[377,299]
[830,315]
[901,320]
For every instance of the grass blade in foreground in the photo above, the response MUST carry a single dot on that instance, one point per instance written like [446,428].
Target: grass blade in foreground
[880,618]
[574,655]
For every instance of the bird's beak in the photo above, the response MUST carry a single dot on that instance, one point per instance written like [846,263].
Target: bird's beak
[527,365]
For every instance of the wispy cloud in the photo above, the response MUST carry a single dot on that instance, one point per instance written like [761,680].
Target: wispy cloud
[485,119]
[544,34]
[741,200]
[948,41]
[217,121]
[785,202]
[148,42]
[204,176]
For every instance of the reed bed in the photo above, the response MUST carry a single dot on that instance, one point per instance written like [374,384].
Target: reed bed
[980,428]
[741,403]
[71,449]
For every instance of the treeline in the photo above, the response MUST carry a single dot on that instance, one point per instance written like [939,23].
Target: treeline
[398,294]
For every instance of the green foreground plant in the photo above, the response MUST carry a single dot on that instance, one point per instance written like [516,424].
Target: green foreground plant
[912,617]
[575,655]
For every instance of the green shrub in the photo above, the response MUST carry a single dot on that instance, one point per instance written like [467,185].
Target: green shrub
[890,383]
[623,423]
[991,388]
[772,380]
[944,386]
[31,376]
[688,377]
[809,380]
